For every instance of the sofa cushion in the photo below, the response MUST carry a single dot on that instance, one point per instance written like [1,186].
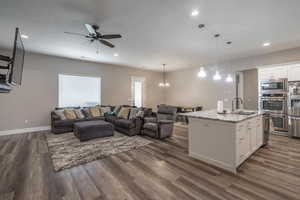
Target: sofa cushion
[151,126]
[60,114]
[133,113]
[64,123]
[110,118]
[117,109]
[70,114]
[86,112]
[124,123]
[104,110]
[95,111]
[79,113]
[96,118]
[124,113]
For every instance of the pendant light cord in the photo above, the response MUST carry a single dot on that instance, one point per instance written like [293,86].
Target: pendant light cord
[164,73]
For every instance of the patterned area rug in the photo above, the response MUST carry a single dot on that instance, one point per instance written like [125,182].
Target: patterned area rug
[67,151]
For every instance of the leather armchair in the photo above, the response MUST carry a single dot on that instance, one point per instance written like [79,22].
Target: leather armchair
[161,126]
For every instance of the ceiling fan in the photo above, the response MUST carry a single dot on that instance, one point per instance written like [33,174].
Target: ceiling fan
[94,35]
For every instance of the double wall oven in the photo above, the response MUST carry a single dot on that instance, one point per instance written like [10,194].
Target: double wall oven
[273,99]
[294,109]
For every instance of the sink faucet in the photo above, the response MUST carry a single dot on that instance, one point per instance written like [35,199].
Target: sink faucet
[236,99]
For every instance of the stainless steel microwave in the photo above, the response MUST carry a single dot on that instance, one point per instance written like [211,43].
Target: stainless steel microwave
[274,86]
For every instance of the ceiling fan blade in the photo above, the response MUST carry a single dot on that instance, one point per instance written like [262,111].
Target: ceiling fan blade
[107,43]
[75,34]
[90,29]
[111,36]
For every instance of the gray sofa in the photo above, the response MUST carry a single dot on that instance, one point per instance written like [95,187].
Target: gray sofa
[127,126]
[59,126]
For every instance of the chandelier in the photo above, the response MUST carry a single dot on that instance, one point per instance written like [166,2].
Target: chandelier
[164,83]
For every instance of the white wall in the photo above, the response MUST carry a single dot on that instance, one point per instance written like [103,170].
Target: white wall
[38,94]
[189,90]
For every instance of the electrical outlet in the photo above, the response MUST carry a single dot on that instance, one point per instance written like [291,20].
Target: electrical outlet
[26,121]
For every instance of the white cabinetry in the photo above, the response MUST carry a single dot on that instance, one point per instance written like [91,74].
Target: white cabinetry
[249,138]
[291,72]
[294,73]
[273,73]
[222,143]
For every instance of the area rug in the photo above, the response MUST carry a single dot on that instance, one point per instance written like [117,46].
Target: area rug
[67,151]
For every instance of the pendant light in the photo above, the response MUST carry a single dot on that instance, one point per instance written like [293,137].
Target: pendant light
[164,83]
[229,79]
[202,73]
[217,75]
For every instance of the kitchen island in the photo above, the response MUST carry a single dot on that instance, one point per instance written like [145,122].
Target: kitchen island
[224,140]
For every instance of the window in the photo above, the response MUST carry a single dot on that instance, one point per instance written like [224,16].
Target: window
[138,91]
[78,90]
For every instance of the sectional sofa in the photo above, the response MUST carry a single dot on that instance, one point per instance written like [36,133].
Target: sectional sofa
[127,126]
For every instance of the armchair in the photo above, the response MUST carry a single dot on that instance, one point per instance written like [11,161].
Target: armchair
[160,126]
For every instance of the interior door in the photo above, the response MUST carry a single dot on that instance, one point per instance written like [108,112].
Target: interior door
[138,85]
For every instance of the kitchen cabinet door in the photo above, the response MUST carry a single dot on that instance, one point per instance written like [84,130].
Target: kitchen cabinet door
[273,73]
[241,142]
[280,72]
[251,128]
[294,73]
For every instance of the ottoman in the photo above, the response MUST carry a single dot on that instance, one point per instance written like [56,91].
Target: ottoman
[93,129]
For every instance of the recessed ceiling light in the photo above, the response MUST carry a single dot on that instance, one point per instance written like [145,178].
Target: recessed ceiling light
[201,26]
[116,55]
[24,36]
[194,13]
[266,44]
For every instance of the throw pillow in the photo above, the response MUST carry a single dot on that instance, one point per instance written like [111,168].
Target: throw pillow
[133,113]
[60,114]
[95,111]
[105,110]
[140,114]
[79,113]
[70,114]
[124,112]
[86,112]
[117,109]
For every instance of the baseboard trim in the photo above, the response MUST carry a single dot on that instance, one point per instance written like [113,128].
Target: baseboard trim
[25,130]
[217,163]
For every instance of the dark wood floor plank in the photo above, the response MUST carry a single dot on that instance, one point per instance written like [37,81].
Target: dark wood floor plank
[84,184]
[160,170]
[104,181]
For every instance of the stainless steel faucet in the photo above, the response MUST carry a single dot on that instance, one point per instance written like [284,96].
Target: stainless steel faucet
[236,100]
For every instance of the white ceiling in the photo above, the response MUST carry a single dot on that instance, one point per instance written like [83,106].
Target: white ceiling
[154,31]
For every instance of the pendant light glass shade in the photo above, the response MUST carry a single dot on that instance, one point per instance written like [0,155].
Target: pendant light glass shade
[164,83]
[229,79]
[217,76]
[202,73]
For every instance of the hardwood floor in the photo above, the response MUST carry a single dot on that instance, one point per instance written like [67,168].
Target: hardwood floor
[161,170]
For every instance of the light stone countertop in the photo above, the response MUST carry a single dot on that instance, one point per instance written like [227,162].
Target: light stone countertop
[228,117]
